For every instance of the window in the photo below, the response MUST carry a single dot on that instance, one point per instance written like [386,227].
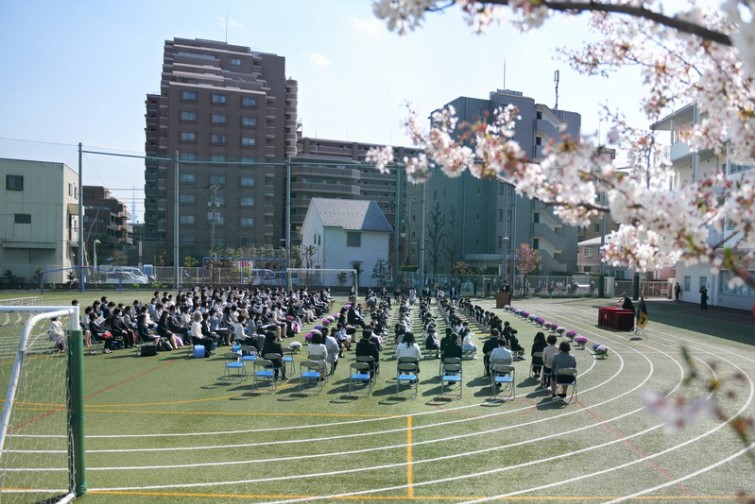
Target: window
[248,122]
[189,96]
[219,99]
[188,116]
[536,217]
[687,283]
[186,240]
[557,256]
[217,139]
[188,136]
[536,243]
[219,200]
[22,218]
[217,158]
[248,101]
[248,182]
[247,201]
[538,140]
[247,221]
[353,239]
[217,179]
[247,141]
[588,252]
[539,115]
[186,219]
[187,198]
[187,177]
[187,156]
[586,269]
[500,215]
[235,61]
[14,182]
[218,118]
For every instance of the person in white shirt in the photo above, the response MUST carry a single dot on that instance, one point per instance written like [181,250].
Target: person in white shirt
[57,334]
[197,337]
[550,351]
[409,348]
[467,344]
[317,350]
[501,354]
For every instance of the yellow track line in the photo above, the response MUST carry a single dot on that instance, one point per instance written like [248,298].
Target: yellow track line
[409,468]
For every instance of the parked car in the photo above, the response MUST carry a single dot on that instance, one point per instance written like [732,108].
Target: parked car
[126,278]
[134,271]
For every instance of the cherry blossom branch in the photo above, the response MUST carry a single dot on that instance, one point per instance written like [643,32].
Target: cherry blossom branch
[637,11]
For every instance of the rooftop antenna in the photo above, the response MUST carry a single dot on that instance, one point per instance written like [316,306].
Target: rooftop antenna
[226,28]
[555,81]
[504,73]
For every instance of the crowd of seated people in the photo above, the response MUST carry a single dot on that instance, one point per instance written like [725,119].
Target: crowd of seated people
[203,316]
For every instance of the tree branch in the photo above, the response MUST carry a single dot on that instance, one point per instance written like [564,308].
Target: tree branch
[676,23]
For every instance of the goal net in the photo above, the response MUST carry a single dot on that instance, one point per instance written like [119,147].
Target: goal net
[37,461]
[339,279]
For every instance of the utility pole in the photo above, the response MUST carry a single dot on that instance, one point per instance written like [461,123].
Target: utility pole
[213,215]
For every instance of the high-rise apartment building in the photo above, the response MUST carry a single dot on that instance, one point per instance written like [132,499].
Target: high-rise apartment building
[483,222]
[105,219]
[337,169]
[217,138]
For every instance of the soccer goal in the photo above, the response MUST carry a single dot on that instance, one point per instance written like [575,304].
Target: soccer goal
[322,278]
[42,431]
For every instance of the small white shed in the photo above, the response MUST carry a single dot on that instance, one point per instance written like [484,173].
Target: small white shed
[346,234]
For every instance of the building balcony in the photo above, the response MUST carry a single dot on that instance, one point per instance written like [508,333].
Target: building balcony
[678,150]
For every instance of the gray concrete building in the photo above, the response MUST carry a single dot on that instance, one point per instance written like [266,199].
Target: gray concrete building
[230,115]
[483,221]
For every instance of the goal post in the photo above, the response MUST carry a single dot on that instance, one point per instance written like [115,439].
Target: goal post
[318,278]
[42,451]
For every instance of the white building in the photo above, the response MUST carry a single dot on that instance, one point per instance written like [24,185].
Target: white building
[346,234]
[690,167]
[39,218]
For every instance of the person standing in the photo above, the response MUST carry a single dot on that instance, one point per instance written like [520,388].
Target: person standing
[677,290]
[704,298]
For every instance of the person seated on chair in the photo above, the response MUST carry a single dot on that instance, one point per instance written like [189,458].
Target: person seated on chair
[273,345]
[354,318]
[317,351]
[409,348]
[563,359]
[344,340]
[143,329]
[501,355]
[99,333]
[163,330]
[549,352]
[196,335]
[367,347]
[57,335]
[119,329]
[537,346]
[490,344]
[452,348]
[467,345]
[333,348]
[431,342]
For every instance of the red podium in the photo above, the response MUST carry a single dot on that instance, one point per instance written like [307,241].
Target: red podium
[615,317]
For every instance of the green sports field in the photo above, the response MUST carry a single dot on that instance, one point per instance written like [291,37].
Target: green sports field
[174,429]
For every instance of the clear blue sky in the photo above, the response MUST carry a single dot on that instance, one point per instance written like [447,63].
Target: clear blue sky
[80,71]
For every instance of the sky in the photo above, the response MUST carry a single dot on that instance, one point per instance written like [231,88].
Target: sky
[79,72]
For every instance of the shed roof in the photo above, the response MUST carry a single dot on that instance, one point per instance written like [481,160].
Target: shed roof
[355,215]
